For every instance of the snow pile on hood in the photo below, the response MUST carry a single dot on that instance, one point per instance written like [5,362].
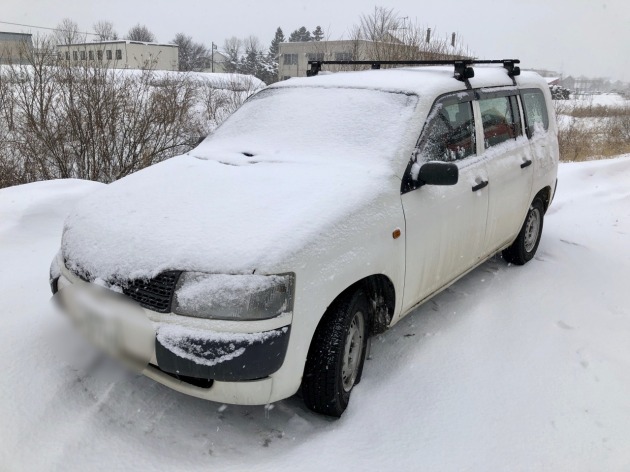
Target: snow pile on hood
[207,216]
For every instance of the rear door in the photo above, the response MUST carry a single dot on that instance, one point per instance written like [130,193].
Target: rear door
[509,164]
[445,226]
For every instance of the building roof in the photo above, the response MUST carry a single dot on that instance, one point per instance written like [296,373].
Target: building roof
[18,36]
[119,41]
[552,80]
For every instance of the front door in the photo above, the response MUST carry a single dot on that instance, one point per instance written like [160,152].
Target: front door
[445,226]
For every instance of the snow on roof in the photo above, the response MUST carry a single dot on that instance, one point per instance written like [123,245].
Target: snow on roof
[423,81]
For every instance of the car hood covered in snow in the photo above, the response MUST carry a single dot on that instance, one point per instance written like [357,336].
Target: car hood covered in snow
[205,215]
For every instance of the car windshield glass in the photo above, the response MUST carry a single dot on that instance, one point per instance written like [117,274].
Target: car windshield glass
[297,123]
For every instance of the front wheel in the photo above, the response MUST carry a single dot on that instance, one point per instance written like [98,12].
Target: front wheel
[524,247]
[335,358]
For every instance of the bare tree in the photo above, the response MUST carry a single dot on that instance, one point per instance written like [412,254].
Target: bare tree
[375,26]
[105,31]
[141,33]
[232,47]
[67,32]
[192,56]
[384,35]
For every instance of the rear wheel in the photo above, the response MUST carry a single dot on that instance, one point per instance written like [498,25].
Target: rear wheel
[336,356]
[524,247]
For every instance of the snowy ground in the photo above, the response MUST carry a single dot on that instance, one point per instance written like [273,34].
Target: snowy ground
[512,368]
[613,100]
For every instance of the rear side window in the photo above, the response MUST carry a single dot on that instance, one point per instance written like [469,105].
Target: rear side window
[500,119]
[535,108]
[450,133]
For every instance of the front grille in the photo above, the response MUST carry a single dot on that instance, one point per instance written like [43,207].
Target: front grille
[154,294]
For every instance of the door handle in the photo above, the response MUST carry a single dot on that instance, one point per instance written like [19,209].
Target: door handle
[527,163]
[480,186]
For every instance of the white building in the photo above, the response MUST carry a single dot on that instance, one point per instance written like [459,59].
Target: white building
[217,63]
[122,54]
[14,46]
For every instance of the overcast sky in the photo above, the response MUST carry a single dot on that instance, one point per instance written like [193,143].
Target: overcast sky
[575,37]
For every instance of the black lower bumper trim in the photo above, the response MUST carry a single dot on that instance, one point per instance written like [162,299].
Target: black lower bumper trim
[252,360]
[54,285]
[196,382]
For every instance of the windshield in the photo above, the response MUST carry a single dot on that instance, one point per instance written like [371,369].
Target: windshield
[300,122]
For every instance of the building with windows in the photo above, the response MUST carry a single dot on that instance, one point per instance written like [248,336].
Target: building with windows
[14,47]
[122,54]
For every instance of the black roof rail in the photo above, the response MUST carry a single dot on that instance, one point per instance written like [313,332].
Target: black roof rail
[463,67]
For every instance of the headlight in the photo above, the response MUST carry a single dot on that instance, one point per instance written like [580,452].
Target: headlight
[233,297]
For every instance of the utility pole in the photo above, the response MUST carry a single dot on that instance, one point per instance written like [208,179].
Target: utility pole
[214,47]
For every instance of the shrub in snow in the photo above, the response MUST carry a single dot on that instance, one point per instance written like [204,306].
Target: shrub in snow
[90,121]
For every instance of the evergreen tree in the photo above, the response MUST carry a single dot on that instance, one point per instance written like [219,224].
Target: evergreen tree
[274,49]
[300,35]
[318,33]
[272,57]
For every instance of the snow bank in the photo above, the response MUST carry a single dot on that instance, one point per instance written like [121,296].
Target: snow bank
[50,199]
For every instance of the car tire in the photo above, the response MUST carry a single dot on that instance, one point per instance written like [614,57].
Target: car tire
[524,247]
[336,355]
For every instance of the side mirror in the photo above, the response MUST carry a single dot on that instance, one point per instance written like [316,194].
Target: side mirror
[438,173]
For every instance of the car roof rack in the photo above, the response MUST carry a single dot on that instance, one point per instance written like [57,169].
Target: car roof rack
[463,67]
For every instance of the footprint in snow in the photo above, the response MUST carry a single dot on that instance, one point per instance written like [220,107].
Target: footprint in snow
[563,325]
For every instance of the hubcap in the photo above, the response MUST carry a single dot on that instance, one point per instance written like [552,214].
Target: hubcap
[353,351]
[532,227]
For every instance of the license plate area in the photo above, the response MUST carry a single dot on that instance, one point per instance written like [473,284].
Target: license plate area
[111,322]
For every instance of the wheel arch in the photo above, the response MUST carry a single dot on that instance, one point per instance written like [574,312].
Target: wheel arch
[381,294]
[545,195]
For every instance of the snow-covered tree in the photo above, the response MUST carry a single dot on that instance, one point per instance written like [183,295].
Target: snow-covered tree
[141,33]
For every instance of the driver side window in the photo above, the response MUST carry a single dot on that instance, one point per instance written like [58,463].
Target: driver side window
[449,135]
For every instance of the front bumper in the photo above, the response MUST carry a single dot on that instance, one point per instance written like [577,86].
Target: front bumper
[203,358]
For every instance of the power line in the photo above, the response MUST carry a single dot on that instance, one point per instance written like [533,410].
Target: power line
[43,27]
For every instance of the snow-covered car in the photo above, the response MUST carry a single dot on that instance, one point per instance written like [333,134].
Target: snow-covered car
[319,214]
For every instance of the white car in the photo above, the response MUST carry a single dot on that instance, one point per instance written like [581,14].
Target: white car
[319,214]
